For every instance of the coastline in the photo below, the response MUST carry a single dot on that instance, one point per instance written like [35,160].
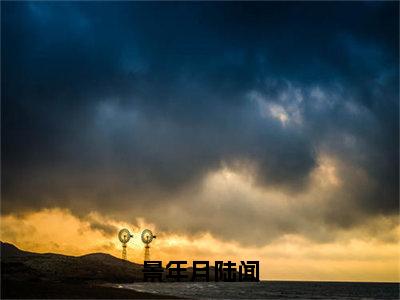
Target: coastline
[53,290]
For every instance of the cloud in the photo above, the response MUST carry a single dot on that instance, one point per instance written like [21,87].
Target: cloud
[132,119]
[105,228]
[289,257]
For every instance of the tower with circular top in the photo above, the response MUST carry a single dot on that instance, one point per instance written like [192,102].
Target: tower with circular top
[147,237]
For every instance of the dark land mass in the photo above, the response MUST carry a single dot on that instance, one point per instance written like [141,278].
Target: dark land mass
[33,275]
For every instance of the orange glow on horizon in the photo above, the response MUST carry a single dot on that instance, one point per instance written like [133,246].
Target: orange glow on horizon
[290,257]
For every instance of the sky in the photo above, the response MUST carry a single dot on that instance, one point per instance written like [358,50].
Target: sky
[235,131]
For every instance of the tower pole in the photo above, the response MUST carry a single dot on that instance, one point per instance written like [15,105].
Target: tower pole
[147,253]
[124,251]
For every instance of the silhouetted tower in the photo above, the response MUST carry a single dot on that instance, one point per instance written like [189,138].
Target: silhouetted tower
[124,236]
[147,237]
[147,253]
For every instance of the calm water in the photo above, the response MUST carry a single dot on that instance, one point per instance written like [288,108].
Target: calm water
[271,290]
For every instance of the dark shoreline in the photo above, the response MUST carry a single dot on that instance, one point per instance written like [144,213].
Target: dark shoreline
[53,290]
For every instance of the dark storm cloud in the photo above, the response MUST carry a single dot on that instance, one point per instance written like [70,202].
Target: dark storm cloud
[105,228]
[118,107]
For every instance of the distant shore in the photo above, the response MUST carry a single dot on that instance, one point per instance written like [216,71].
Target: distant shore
[28,275]
[53,290]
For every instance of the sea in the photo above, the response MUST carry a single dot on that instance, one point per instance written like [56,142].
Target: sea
[270,290]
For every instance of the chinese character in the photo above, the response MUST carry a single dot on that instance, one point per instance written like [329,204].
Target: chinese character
[152,270]
[249,271]
[201,271]
[177,270]
[225,271]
